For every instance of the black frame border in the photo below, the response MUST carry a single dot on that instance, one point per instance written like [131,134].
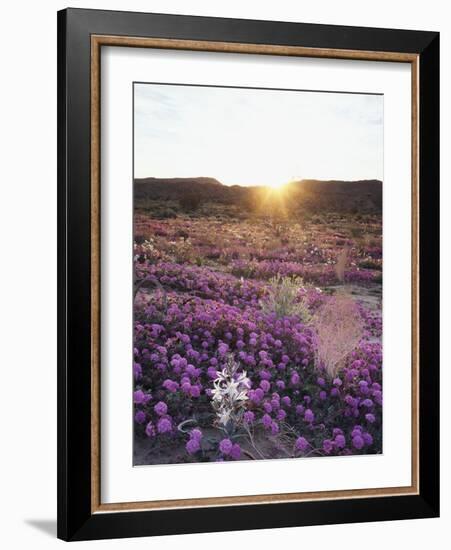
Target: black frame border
[75,520]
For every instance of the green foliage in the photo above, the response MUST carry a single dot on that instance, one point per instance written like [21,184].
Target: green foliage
[370,264]
[284,299]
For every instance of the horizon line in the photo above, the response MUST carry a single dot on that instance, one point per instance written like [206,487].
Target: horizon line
[291,181]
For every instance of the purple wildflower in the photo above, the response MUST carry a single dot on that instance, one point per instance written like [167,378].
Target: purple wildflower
[137,371]
[235,452]
[164,425]
[196,434]
[301,444]
[299,409]
[225,446]
[358,442]
[161,408]
[286,401]
[139,397]
[192,446]
[266,420]
[274,428]
[140,417]
[150,430]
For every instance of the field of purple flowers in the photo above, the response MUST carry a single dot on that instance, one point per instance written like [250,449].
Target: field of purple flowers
[257,339]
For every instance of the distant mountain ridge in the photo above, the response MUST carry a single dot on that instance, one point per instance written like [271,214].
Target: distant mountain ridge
[176,188]
[360,195]
[198,180]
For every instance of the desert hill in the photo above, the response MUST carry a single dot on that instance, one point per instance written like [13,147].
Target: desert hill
[314,195]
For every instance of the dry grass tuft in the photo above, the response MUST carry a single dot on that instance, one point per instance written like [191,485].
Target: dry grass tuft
[339,328]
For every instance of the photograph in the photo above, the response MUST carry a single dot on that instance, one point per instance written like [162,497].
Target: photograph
[257,274]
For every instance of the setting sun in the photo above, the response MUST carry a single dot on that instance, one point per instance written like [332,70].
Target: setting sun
[276,185]
[279,186]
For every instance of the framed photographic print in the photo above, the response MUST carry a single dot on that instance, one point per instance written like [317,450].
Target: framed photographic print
[248,274]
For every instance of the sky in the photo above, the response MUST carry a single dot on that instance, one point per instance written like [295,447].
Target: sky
[243,136]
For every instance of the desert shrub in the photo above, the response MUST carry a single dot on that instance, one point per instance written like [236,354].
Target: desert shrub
[245,268]
[283,299]
[250,202]
[181,250]
[181,233]
[145,251]
[166,213]
[377,278]
[278,229]
[356,231]
[370,264]
[339,329]
[190,202]
[371,241]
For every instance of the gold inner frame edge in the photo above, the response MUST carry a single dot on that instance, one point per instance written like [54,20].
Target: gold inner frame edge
[97,41]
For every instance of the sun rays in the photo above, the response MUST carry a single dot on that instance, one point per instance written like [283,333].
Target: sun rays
[277,185]
[274,198]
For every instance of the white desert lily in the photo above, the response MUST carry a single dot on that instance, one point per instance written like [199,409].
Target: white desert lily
[229,394]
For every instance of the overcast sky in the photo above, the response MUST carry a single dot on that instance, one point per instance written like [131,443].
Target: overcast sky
[256,137]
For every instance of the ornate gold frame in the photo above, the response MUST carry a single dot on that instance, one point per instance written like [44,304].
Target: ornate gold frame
[97,41]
